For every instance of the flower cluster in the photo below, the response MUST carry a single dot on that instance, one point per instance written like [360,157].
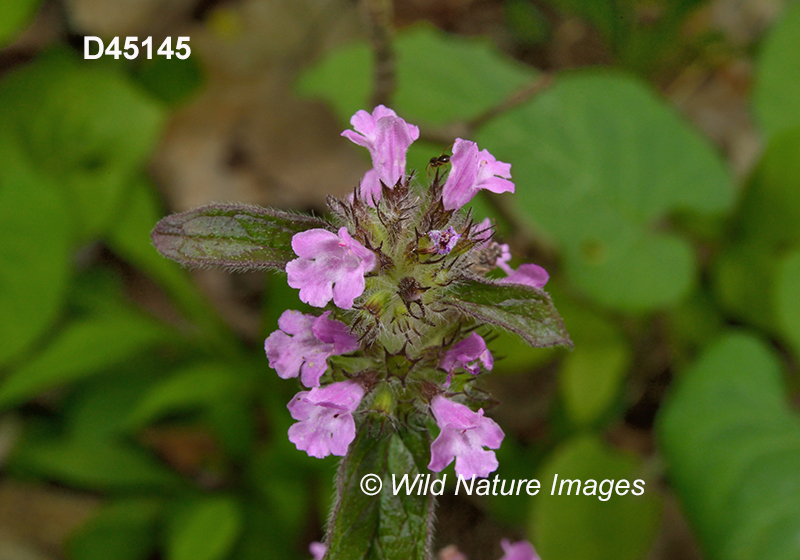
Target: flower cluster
[392,254]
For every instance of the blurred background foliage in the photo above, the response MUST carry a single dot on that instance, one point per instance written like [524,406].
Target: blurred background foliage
[655,147]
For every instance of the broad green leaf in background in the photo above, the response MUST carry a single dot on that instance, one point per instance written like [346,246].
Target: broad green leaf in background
[14,16]
[770,208]
[767,224]
[97,408]
[732,449]
[743,278]
[441,78]
[777,83]
[34,253]
[525,311]
[204,529]
[203,385]
[591,171]
[238,237]
[694,323]
[260,533]
[93,465]
[85,347]
[568,527]
[283,483]
[130,239]
[171,80]
[591,375]
[86,127]
[788,298]
[122,530]
[514,355]
[527,21]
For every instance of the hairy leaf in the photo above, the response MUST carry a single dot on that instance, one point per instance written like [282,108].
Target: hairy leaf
[384,525]
[526,311]
[240,237]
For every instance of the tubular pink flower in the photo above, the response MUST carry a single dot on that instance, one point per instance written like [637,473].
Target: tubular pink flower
[520,550]
[528,274]
[463,436]
[468,354]
[330,267]
[471,171]
[387,137]
[370,188]
[482,232]
[325,418]
[317,550]
[303,344]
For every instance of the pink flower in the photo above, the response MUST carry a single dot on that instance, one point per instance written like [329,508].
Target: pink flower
[325,418]
[467,354]
[505,256]
[463,436]
[303,344]
[317,550]
[482,233]
[387,137]
[444,241]
[520,550]
[471,171]
[370,188]
[528,274]
[330,266]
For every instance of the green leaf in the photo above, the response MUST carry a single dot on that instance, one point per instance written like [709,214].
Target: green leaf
[123,530]
[617,527]
[445,78]
[743,276]
[441,78]
[385,525]
[130,239]
[94,465]
[591,377]
[523,310]
[732,449]
[34,253]
[15,15]
[174,80]
[777,83]
[204,529]
[262,531]
[85,347]
[97,408]
[513,355]
[195,386]
[770,208]
[234,236]
[788,298]
[592,174]
[84,126]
